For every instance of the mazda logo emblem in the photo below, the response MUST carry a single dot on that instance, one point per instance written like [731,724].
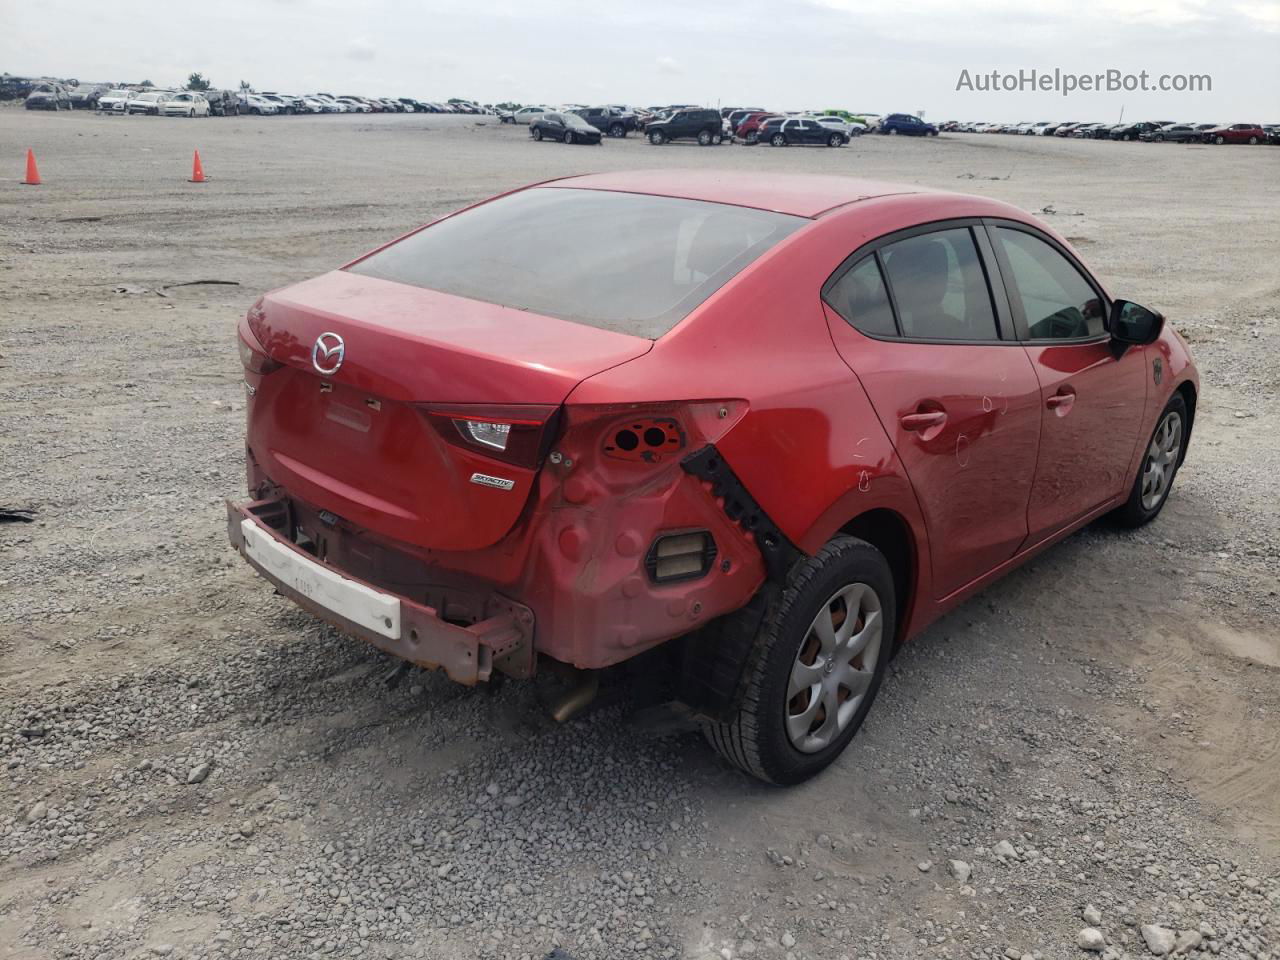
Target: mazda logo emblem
[328,353]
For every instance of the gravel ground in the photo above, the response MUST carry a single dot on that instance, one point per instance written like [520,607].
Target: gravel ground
[1082,761]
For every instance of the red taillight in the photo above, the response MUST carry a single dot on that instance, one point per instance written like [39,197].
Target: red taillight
[252,354]
[515,434]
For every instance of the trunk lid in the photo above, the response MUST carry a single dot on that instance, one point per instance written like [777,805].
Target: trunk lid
[358,443]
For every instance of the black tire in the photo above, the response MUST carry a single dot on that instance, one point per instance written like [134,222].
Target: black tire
[1159,138]
[835,140]
[755,738]
[752,138]
[536,133]
[657,138]
[704,138]
[568,136]
[1219,140]
[617,130]
[1133,513]
[1252,141]
[778,140]
[718,139]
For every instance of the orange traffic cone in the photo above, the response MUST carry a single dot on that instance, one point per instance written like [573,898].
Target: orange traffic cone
[33,175]
[197,171]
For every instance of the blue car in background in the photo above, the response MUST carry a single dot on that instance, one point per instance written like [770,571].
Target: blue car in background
[906,124]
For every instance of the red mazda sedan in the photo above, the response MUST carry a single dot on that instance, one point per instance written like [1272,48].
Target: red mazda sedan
[764,429]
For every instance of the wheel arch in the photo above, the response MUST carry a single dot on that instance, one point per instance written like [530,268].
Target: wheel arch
[890,533]
[1188,391]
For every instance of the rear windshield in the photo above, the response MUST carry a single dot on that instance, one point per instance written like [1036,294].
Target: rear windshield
[631,263]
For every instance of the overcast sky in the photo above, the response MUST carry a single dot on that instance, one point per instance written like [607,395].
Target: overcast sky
[905,55]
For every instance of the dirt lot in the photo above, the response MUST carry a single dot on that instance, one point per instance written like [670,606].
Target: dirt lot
[193,768]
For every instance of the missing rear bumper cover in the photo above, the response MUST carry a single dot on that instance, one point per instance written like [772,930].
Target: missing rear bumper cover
[778,552]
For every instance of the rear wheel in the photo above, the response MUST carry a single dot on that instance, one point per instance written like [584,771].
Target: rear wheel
[1219,140]
[537,133]
[1252,141]
[1159,138]
[778,140]
[751,138]
[657,138]
[817,664]
[617,130]
[1160,465]
[893,131]
[568,136]
[704,139]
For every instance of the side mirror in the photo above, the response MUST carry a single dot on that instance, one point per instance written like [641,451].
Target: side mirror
[1133,324]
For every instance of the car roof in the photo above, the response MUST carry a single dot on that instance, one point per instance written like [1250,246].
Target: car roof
[796,194]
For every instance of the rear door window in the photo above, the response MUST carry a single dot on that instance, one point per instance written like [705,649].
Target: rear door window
[632,263]
[861,298]
[940,287]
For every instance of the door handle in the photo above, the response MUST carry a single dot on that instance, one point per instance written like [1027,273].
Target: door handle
[1061,402]
[923,421]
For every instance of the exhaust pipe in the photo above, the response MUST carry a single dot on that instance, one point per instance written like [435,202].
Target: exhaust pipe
[576,699]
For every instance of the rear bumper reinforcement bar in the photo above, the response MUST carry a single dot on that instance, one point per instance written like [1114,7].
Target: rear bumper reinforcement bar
[393,623]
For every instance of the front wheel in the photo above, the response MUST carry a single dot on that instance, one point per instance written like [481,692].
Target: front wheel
[1159,466]
[617,130]
[835,140]
[778,140]
[1252,141]
[1219,140]
[657,138]
[537,134]
[893,131]
[817,663]
[568,136]
[751,138]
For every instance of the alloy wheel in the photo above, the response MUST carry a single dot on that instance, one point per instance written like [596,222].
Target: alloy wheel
[834,667]
[1162,460]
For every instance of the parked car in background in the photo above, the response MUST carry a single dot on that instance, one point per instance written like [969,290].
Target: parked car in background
[748,130]
[697,123]
[48,96]
[1250,133]
[317,105]
[1172,133]
[840,124]
[609,120]
[85,96]
[222,103]
[185,104]
[258,106]
[285,103]
[1134,131]
[797,131]
[114,101]
[353,105]
[565,127]
[148,102]
[527,115]
[907,125]
[838,446]
[16,88]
